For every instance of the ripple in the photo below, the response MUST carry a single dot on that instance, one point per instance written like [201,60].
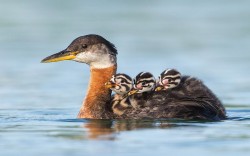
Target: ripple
[39,103]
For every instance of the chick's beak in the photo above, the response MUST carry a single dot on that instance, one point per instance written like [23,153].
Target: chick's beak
[159,88]
[62,55]
[133,91]
[110,85]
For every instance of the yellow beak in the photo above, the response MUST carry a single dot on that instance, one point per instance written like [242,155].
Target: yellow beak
[110,85]
[159,88]
[62,55]
[133,91]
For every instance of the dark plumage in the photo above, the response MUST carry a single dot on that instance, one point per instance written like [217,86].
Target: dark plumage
[84,42]
[190,100]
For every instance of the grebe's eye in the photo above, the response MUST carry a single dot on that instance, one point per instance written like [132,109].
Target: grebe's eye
[84,46]
[122,81]
[143,83]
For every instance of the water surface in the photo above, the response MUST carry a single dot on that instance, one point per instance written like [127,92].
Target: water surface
[39,102]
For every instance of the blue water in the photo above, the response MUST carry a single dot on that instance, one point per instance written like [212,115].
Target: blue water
[39,102]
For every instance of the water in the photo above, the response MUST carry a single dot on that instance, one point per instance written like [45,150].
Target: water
[39,102]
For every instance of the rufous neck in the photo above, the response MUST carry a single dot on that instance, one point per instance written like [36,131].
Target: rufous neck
[98,96]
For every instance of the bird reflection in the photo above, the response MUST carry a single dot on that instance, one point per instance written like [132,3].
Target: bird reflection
[109,129]
[99,129]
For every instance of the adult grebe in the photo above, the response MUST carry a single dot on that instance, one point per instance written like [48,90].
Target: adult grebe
[100,55]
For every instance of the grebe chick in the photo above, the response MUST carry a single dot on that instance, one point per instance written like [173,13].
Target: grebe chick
[121,84]
[168,79]
[144,85]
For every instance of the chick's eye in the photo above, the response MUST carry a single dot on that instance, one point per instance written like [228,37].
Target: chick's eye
[143,83]
[84,46]
[122,81]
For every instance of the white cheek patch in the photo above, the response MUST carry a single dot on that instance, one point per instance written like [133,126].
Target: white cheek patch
[85,57]
[95,59]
